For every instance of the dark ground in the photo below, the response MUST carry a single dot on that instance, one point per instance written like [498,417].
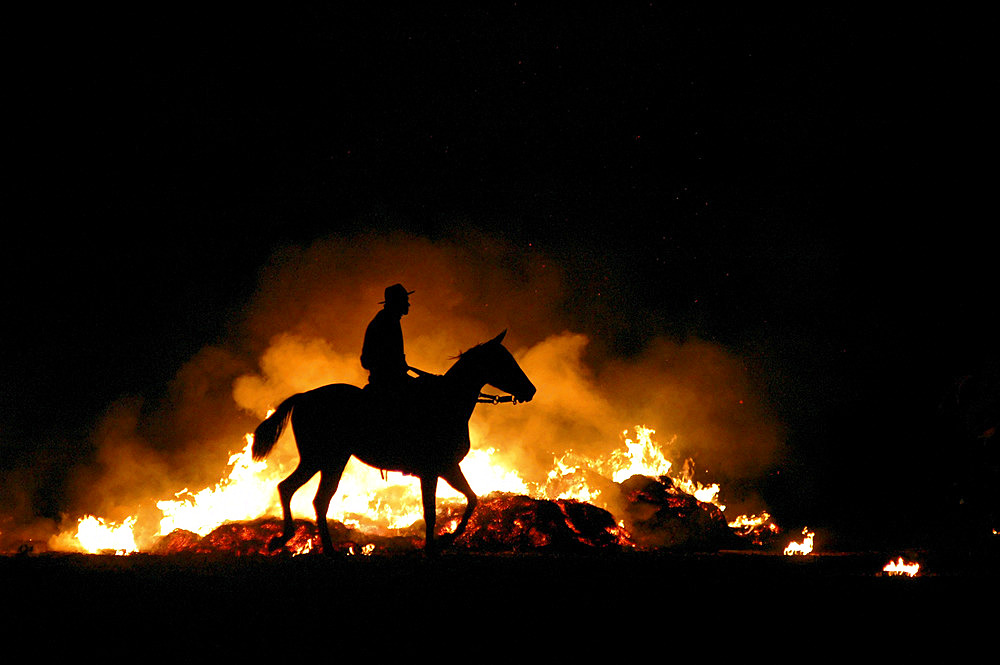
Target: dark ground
[533,606]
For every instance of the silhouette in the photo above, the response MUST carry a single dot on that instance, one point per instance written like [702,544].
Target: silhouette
[336,421]
[382,352]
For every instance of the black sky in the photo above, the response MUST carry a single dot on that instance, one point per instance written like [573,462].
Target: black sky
[804,188]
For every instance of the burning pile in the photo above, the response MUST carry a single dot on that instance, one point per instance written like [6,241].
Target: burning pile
[651,511]
[502,523]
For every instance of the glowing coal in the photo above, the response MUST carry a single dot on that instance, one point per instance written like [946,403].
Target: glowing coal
[659,516]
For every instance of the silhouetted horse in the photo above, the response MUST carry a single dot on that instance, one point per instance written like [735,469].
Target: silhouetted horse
[425,437]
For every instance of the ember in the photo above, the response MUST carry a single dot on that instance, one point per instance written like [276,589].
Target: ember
[506,522]
[241,538]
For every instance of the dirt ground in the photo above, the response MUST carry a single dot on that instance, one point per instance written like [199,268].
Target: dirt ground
[484,608]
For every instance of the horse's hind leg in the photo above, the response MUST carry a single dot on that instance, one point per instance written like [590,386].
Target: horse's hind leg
[286,488]
[428,493]
[329,479]
[456,479]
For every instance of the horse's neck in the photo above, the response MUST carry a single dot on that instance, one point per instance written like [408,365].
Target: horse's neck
[467,379]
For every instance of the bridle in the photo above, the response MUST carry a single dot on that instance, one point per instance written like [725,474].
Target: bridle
[485,398]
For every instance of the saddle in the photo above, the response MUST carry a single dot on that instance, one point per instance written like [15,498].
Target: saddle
[398,404]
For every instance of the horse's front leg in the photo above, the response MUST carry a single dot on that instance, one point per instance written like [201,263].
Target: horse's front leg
[328,481]
[286,488]
[428,493]
[456,479]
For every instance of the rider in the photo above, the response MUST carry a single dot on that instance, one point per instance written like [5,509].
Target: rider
[382,353]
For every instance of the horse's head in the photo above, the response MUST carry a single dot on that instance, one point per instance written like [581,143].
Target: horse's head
[498,368]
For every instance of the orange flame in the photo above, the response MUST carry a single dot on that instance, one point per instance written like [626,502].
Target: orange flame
[95,535]
[369,500]
[805,547]
[901,567]
[747,524]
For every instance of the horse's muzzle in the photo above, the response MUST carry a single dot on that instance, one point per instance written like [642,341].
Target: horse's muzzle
[526,395]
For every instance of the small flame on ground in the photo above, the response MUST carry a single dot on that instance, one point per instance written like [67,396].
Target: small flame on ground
[95,535]
[805,547]
[754,525]
[901,567]
[751,522]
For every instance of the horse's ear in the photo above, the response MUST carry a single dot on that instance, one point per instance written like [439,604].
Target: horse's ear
[498,338]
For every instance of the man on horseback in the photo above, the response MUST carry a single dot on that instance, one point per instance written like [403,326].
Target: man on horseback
[382,352]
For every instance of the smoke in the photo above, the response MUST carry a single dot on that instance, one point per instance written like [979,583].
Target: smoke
[314,303]
[304,326]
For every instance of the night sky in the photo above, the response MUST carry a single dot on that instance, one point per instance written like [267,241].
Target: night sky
[806,189]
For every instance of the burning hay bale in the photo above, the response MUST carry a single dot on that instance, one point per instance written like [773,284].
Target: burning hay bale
[239,538]
[659,515]
[654,512]
[502,523]
[252,537]
[512,523]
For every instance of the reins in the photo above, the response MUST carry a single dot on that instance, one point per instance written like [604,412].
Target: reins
[485,398]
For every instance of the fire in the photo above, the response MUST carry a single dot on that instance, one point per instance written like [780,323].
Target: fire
[754,526]
[243,494]
[366,499]
[646,458]
[371,501]
[750,523]
[641,456]
[901,567]
[95,535]
[805,547]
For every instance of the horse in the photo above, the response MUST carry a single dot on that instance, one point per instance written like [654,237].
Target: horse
[426,436]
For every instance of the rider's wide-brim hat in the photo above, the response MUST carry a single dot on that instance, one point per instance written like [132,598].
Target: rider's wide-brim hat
[395,293]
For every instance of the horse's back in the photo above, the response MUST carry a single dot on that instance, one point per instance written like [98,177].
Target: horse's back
[334,391]
[408,432]
[327,407]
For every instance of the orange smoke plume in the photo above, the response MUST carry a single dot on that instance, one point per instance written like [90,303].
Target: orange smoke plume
[303,328]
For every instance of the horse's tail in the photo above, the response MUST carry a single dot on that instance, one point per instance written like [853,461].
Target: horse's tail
[268,432]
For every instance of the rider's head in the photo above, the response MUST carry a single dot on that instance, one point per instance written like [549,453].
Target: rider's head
[397,299]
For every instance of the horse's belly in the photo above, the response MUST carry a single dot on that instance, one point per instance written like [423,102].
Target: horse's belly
[407,440]
[414,452]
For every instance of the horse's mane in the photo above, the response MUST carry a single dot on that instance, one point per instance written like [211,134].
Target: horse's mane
[472,350]
[462,354]
[478,347]
[467,354]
